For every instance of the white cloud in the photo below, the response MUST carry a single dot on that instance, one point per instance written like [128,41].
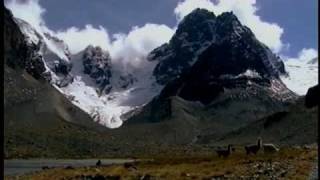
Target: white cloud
[28,10]
[144,39]
[78,39]
[268,33]
[187,6]
[128,50]
[132,48]
[307,54]
[304,55]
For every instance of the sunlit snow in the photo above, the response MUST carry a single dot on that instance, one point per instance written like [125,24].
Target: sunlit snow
[107,109]
[301,75]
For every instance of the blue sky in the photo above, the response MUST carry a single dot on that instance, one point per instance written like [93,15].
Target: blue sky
[297,19]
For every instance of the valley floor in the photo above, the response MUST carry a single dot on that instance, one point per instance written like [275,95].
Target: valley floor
[288,163]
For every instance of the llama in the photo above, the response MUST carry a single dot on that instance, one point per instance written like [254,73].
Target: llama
[253,148]
[269,148]
[224,152]
[233,149]
[99,163]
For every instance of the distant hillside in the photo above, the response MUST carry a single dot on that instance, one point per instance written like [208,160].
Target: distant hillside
[296,125]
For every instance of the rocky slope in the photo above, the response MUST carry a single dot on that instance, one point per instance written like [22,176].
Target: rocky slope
[39,121]
[53,53]
[19,54]
[26,74]
[312,97]
[295,125]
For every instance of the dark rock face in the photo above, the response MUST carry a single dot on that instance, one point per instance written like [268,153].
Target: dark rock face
[314,61]
[19,54]
[62,67]
[26,48]
[312,97]
[127,80]
[201,30]
[235,59]
[58,61]
[194,33]
[97,64]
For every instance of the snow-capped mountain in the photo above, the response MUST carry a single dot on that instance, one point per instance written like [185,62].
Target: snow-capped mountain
[301,75]
[53,52]
[235,72]
[199,30]
[208,56]
[231,57]
[125,92]
[90,80]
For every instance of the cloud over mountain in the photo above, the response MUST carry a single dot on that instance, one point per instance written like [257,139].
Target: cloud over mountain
[266,32]
[79,39]
[28,10]
[130,47]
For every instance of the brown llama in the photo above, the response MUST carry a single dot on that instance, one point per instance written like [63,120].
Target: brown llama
[224,152]
[253,148]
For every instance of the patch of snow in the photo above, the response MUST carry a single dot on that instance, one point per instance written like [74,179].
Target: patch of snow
[36,37]
[301,75]
[33,37]
[56,49]
[249,73]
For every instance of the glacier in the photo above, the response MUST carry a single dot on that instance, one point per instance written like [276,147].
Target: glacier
[302,74]
[105,109]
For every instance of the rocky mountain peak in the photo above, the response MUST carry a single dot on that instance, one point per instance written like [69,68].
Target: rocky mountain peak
[96,52]
[228,17]
[215,53]
[228,26]
[195,18]
[200,12]
[200,30]
[97,64]
[47,50]
[194,34]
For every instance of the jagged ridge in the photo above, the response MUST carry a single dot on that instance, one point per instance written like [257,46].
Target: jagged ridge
[199,30]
